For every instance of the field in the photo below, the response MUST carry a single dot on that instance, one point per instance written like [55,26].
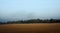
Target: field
[30,28]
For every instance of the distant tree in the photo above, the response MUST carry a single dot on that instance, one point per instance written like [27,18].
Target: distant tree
[0,22]
[51,20]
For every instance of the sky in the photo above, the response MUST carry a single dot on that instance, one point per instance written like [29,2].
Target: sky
[29,9]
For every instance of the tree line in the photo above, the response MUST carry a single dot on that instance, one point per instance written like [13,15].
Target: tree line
[32,21]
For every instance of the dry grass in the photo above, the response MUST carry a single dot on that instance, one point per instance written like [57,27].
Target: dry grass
[30,28]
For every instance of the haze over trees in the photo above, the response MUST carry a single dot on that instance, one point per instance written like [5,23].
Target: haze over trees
[32,21]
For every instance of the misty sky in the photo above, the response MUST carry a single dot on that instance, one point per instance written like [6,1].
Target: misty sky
[29,9]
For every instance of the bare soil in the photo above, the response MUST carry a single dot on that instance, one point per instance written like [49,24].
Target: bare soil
[30,28]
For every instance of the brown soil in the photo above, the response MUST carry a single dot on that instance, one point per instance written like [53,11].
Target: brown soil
[30,28]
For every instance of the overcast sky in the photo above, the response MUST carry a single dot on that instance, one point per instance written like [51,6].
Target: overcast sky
[29,9]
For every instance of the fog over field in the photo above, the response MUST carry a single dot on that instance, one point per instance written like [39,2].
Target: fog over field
[29,9]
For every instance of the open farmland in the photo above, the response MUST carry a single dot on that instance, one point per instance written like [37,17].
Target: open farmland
[30,28]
